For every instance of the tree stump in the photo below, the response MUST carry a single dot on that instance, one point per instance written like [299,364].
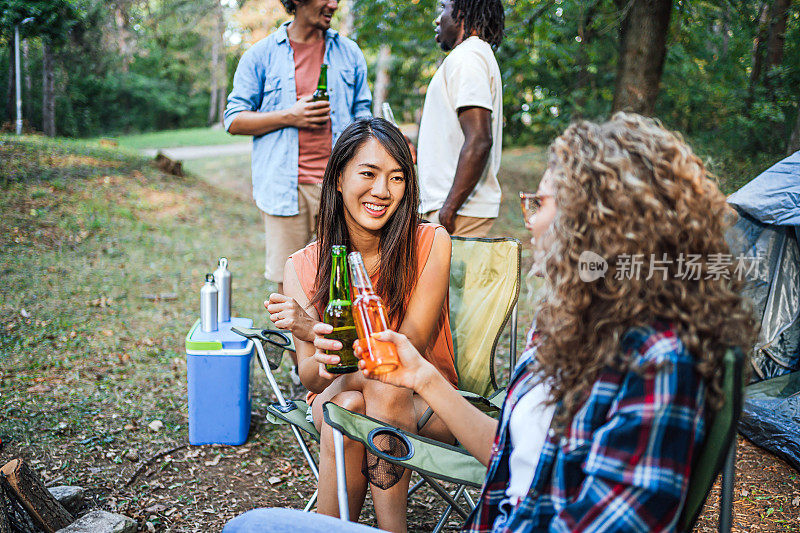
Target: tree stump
[168,166]
[28,489]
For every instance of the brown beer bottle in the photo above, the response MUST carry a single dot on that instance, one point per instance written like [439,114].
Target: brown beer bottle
[322,85]
[339,314]
[370,317]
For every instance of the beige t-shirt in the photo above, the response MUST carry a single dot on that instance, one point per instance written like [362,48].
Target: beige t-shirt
[468,76]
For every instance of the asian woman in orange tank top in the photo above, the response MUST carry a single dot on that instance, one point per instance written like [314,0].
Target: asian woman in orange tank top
[369,204]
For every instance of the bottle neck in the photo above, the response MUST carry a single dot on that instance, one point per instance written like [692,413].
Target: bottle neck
[358,272]
[340,285]
[322,84]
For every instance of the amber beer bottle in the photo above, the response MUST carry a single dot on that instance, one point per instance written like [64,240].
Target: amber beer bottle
[339,314]
[322,85]
[379,357]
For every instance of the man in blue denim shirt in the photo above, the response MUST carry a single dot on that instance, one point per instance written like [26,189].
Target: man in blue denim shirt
[293,135]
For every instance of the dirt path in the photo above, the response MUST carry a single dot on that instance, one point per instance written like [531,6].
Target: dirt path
[200,152]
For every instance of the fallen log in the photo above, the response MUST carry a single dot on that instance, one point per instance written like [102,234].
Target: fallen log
[46,512]
[5,511]
[18,519]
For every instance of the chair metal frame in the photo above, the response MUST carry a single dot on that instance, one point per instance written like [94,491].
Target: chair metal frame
[282,404]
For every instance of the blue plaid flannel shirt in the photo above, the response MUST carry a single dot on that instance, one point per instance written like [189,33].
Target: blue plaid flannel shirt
[623,463]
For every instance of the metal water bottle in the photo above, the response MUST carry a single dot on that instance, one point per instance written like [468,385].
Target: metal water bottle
[222,278]
[208,305]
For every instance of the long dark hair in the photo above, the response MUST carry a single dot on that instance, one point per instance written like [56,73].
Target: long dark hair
[398,262]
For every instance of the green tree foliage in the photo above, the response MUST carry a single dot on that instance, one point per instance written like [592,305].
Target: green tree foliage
[53,19]
[123,66]
[138,65]
[559,61]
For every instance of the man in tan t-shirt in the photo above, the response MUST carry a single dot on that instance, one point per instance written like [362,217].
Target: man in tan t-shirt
[461,131]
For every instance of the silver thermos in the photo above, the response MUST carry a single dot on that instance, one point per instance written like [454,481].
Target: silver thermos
[208,305]
[222,278]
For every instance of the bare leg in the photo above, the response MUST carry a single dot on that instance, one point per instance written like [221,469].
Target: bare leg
[327,501]
[396,407]
[434,428]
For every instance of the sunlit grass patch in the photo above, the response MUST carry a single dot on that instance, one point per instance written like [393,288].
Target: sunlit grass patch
[34,158]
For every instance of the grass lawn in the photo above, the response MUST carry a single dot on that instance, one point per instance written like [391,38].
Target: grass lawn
[102,259]
[174,138]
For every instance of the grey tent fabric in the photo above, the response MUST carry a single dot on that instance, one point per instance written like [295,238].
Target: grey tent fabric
[774,195]
[771,416]
[767,238]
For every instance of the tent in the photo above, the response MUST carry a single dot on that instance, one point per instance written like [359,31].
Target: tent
[765,242]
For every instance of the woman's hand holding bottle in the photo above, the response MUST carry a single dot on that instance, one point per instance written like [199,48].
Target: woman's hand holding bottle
[322,343]
[414,372]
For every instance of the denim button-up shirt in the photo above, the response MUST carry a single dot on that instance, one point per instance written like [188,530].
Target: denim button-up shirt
[264,81]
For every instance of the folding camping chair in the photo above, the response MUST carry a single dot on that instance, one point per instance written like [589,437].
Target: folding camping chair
[718,453]
[436,460]
[483,293]
[484,289]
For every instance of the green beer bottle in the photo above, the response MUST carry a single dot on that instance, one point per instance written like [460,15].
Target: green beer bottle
[322,85]
[339,314]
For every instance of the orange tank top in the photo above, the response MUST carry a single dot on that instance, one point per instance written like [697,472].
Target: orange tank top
[440,348]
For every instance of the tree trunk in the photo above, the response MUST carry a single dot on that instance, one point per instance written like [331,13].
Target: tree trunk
[26,73]
[123,35]
[381,79]
[794,142]
[29,490]
[222,100]
[216,106]
[779,13]
[12,86]
[585,34]
[726,27]
[758,54]
[48,91]
[643,47]
[214,71]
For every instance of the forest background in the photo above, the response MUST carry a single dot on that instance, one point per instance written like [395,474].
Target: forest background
[725,73]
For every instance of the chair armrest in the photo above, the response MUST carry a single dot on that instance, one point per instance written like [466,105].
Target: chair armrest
[426,456]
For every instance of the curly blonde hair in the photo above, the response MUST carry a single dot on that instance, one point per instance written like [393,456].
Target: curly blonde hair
[627,187]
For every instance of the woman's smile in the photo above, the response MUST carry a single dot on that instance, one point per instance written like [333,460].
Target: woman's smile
[374,209]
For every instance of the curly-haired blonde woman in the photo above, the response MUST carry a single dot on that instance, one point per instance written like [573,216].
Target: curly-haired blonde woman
[607,408]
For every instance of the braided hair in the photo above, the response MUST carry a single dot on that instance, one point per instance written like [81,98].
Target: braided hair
[484,17]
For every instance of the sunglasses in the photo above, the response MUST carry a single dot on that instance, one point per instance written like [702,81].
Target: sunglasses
[531,203]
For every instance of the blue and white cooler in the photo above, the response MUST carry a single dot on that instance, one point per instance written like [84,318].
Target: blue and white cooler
[218,372]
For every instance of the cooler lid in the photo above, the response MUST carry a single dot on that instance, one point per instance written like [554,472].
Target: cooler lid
[222,339]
